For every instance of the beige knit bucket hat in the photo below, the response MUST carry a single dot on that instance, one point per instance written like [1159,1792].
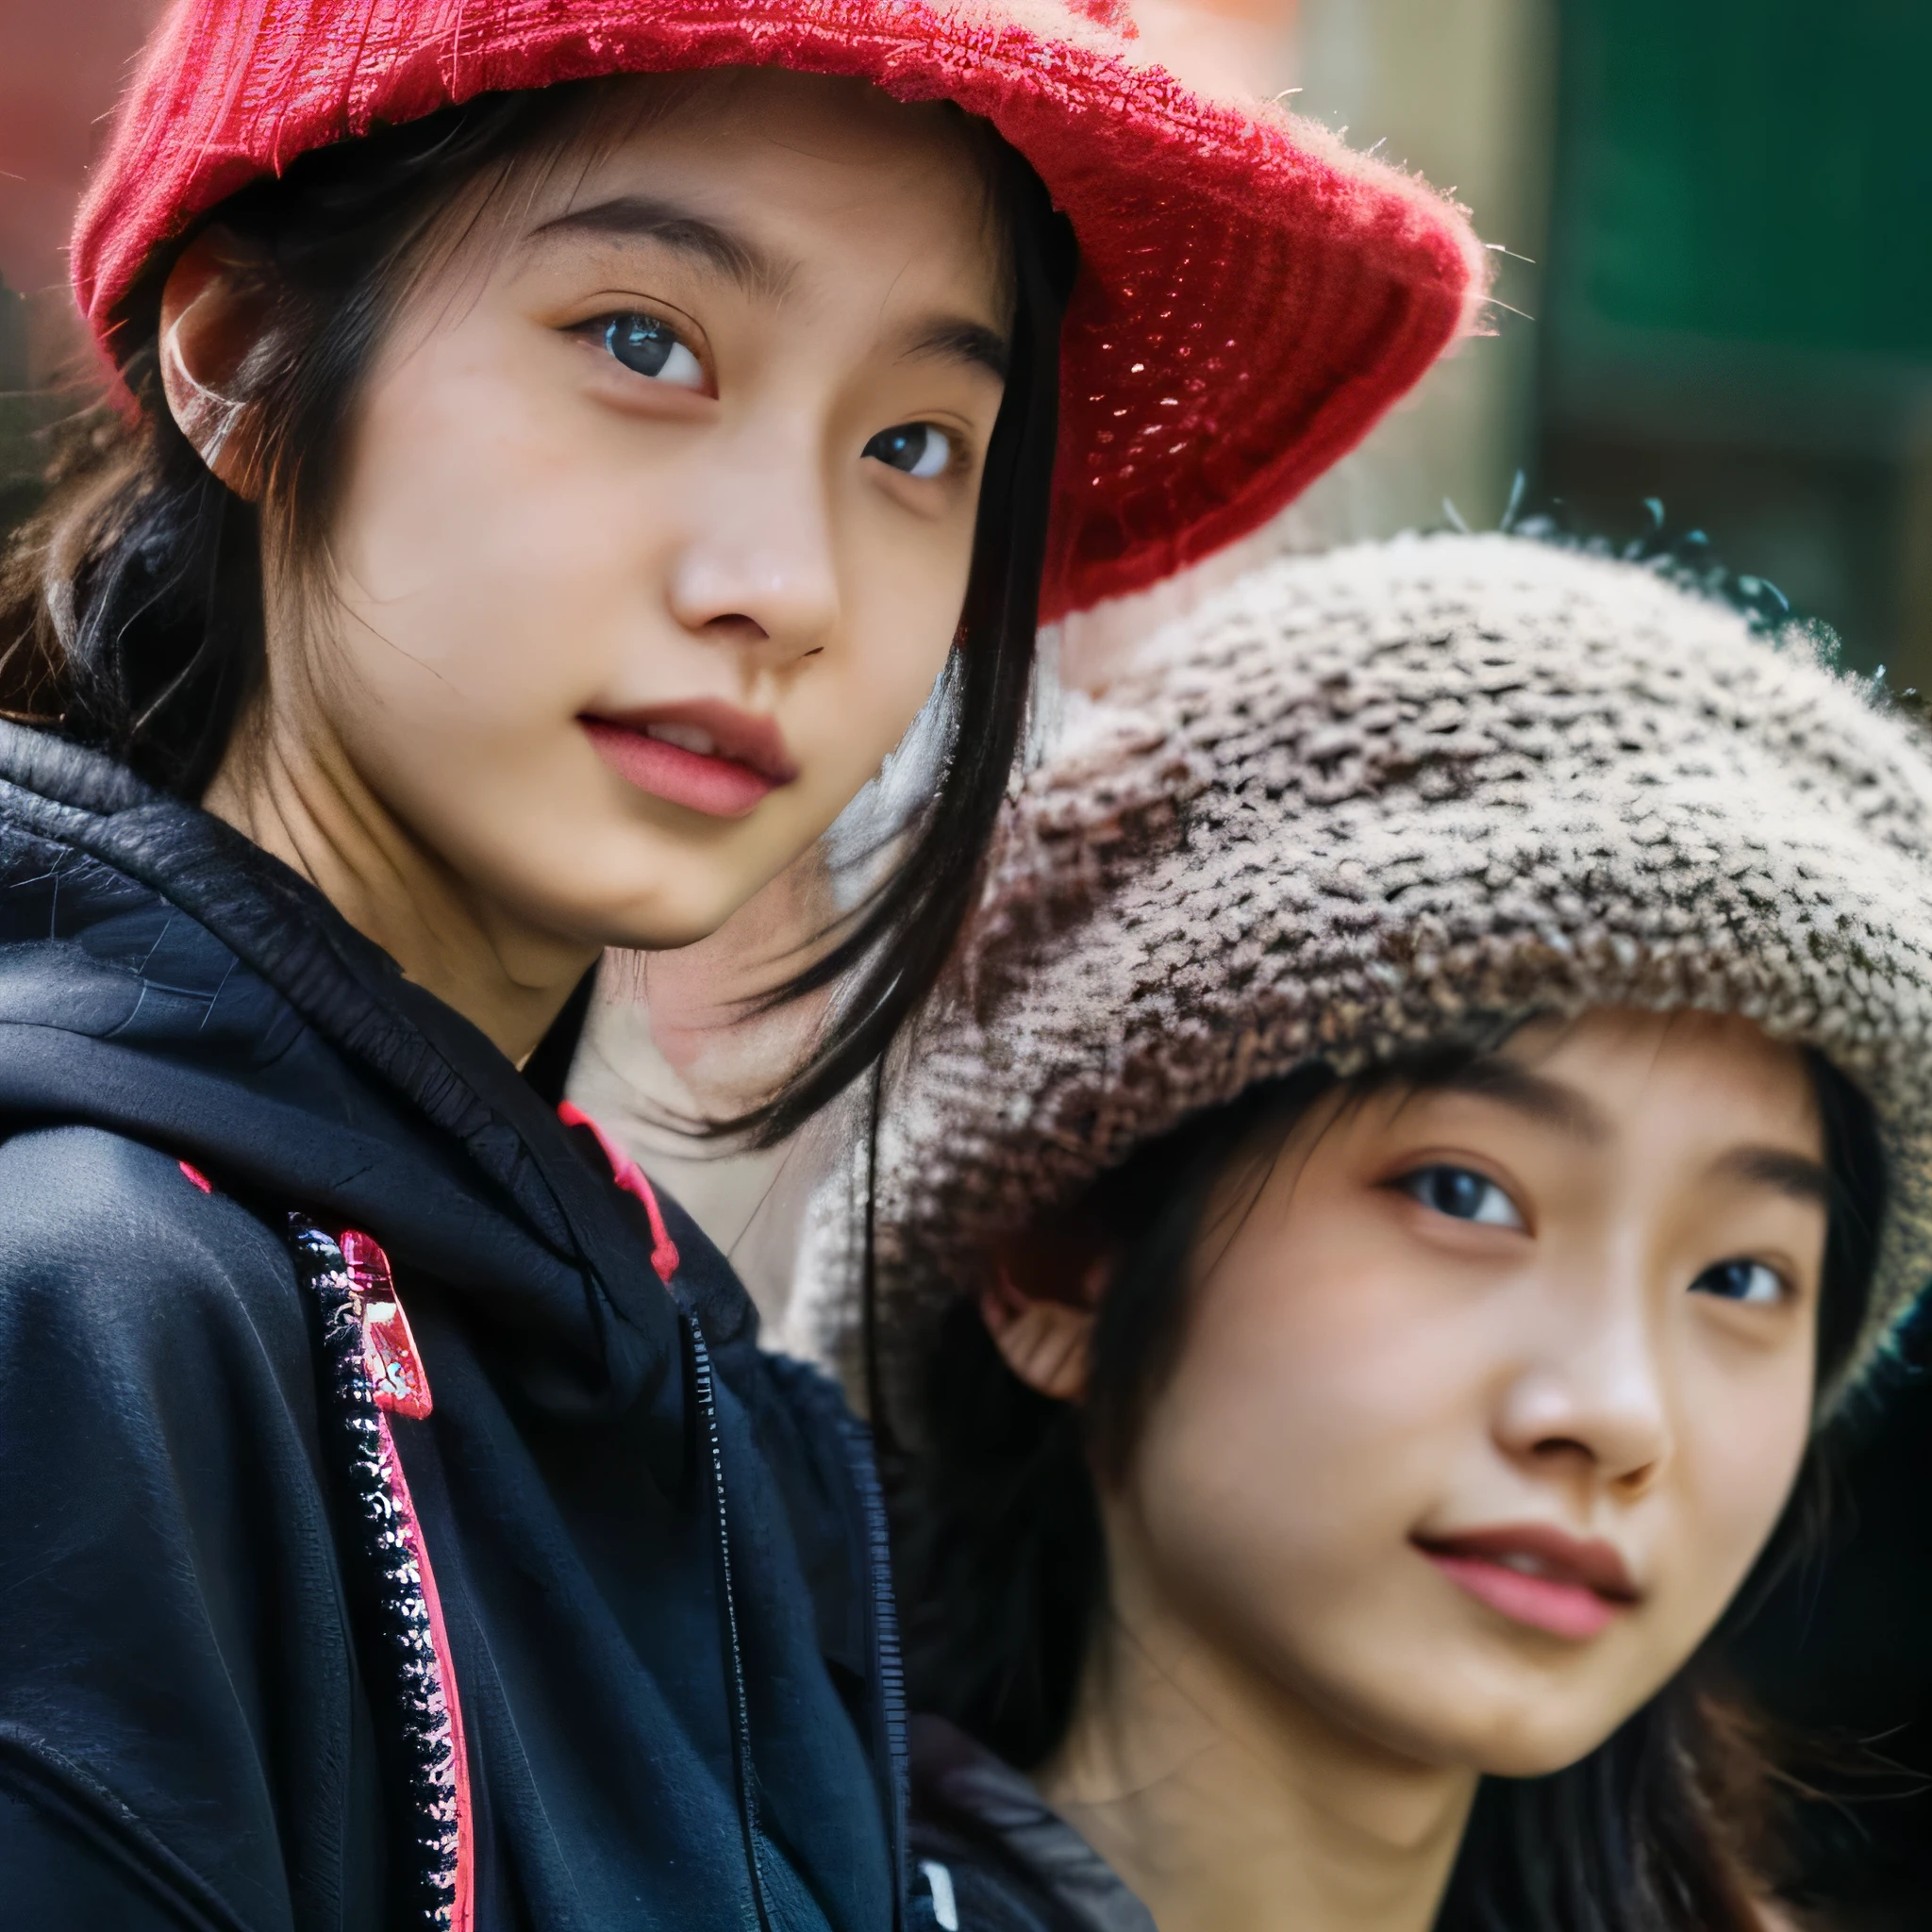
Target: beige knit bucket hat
[1410,795]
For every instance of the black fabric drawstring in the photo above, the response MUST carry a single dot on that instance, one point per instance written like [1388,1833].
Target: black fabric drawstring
[870,1445]
[705,1390]
[881,1424]
[886,1665]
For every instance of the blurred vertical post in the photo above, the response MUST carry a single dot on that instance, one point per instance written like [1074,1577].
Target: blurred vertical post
[20,455]
[1222,46]
[1463,91]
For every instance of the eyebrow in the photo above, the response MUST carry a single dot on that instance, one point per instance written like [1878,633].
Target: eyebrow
[966,341]
[1795,1176]
[634,218]
[1550,1102]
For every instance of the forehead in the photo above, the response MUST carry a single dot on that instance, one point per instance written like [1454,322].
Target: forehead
[1702,1075]
[832,173]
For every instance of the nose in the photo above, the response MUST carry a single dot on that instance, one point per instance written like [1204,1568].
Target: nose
[1589,1399]
[758,568]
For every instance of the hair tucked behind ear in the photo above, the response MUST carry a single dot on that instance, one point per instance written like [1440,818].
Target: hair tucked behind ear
[997,1523]
[132,608]
[1665,1827]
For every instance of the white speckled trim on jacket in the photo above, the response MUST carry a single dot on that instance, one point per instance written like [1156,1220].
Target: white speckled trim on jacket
[1403,795]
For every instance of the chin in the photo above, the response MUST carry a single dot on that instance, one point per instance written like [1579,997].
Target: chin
[1522,1742]
[677,913]
[1535,1756]
[1459,1712]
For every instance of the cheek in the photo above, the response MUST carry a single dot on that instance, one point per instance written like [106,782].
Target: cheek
[1299,1442]
[482,574]
[1739,1451]
[902,587]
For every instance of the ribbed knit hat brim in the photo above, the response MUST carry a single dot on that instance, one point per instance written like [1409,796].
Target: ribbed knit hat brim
[1404,796]
[1252,296]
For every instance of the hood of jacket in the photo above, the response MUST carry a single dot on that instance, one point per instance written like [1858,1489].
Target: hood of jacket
[993,1856]
[163,977]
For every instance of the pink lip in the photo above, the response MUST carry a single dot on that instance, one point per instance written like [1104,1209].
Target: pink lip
[1582,1588]
[749,763]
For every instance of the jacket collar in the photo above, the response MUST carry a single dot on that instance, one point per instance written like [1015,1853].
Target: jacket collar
[167,978]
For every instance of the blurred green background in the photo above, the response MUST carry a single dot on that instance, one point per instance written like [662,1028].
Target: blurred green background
[1737,316]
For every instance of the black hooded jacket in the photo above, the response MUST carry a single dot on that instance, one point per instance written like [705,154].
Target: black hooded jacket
[992,1856]
[188,1737]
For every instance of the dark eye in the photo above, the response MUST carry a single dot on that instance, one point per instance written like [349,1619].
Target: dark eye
[651,348]
[1740,1281]
[1462,1194]
[916,449]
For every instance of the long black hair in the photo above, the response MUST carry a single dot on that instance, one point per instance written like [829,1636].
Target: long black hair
[132,608]
[1662,1828]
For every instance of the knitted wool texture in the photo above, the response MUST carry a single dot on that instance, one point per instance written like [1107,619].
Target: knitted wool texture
[1400,797]
[1252,295]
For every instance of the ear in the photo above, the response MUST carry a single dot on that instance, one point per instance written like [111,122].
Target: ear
[1044,1342]
[214,318]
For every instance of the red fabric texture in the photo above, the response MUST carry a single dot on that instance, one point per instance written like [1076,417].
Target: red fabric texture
[389,1344]
[1252,297]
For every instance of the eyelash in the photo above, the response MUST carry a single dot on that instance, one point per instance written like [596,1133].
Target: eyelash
[1781,1289]
[644,333]
[1416,1184]
[878,446]
[648,333]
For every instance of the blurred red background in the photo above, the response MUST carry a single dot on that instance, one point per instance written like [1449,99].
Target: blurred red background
[62,63]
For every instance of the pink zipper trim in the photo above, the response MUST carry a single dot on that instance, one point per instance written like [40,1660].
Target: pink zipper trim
[462,1909]
[400,1387]
[630,1177]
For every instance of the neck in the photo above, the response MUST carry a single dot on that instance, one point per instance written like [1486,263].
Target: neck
[304,802]
[1228,1804]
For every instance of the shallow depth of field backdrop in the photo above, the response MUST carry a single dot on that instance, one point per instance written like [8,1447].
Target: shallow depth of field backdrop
[1713,331]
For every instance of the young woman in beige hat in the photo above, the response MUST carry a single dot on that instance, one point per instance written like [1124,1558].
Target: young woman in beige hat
[1428,1135]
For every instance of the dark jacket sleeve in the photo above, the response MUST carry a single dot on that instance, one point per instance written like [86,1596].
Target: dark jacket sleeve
[179,1743]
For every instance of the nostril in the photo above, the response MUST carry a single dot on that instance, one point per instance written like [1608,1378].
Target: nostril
[734,627]
[1637,1481]
[1624,1466]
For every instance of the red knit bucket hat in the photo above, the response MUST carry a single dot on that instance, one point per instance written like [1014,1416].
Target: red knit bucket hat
[1252,295]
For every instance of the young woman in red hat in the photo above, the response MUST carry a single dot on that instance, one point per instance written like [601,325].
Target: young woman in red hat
[563,443]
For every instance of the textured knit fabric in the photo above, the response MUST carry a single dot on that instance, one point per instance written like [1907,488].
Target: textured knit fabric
[194,1728]
[1404,796]
[1253,295]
